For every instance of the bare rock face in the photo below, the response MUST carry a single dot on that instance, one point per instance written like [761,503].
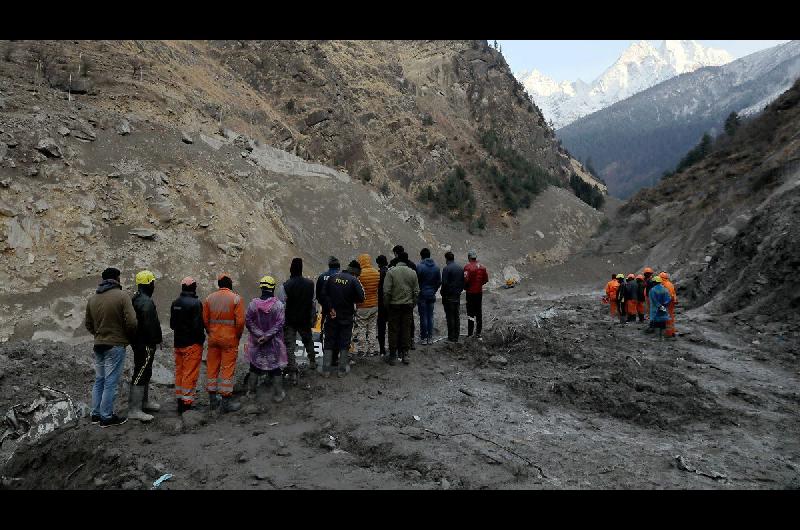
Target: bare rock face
[49,148]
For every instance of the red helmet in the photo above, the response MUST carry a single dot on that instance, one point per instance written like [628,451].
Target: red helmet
[664,275]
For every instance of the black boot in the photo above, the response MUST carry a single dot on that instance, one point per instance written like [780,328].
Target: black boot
[181,408]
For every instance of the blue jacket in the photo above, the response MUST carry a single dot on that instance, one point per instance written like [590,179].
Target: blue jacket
[659,295]
[429,276]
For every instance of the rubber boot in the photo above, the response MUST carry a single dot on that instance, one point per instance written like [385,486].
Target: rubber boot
[344,362]
[277,388]
[227,404]
[181,408]
[148,405]
[391,359]
[213,400]
[404,357]
[135,405]
[252,385]
[327,358]
[312,362]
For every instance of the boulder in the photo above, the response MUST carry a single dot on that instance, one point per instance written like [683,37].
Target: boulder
[316,117]
[7,211]
[724,234]
[40,206]
[123,128]
[84,133]
[144,233]
[49,148]
[63,131]
[185,138]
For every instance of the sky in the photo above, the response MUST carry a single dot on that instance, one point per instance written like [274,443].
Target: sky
[569,60]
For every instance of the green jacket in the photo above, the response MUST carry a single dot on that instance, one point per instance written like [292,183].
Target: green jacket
[401,286]
[110,316]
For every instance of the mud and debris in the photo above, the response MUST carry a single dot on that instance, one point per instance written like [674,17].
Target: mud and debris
[581,402]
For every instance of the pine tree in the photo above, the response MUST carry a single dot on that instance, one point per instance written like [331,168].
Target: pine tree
[732,123]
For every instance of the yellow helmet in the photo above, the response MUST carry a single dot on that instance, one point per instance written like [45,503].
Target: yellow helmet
[621,276]
[145,277]
[268,282]
[657,279]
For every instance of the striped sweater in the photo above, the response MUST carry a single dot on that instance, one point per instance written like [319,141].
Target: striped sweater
[370,277]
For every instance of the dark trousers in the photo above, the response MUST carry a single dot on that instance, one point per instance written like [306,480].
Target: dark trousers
[474,313]
[401,328]
[142,364]
[289,337]
[338,334]
[382,331]
[452,307]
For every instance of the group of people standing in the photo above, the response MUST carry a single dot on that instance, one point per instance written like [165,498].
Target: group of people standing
[356,305]
[646,296]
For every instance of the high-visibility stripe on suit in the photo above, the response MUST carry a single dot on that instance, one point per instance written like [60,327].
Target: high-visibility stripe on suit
[224,318]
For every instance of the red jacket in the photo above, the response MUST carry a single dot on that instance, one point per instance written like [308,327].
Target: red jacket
[475,277]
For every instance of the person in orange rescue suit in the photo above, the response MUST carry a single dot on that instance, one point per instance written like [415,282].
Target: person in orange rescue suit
[669,331]
[611,294]
[223,318]
[620,298]
[631,297]
[186,319]
[641,297]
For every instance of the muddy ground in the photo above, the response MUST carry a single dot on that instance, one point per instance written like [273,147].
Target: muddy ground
[581,402]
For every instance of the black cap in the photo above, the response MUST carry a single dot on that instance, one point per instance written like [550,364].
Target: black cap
[333,263]
[354,265]
[111,273]
[381,260]
[398,249]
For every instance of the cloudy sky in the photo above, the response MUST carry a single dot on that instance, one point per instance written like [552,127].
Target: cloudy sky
[586,59]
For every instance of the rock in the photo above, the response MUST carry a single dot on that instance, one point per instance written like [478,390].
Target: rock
[204,224]
[41,206]
[193,418]
[6,210]
[49,148]
[250,409]
[316,117]
[260,475]
[540,234]
[98,482]
[498,360]
[282,451]
[724,234]
[123,128]
[242,458]
[445,484]
[84,133]
[328,442]
[707,259]
[185,138]
[5,183]
[114,175]
[144,233]
[63,131]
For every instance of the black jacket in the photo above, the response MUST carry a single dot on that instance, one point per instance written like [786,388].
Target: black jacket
[381,305]
[452,280]
[186,318]
[631,290]
[322,280]
[148,331]
[410,263]
[641,289]
[343,291]
[299,302]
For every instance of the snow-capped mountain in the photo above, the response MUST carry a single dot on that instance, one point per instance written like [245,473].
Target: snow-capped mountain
[638,68]
[632,142]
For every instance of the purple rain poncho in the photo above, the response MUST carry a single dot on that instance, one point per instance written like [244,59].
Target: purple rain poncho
[265,318]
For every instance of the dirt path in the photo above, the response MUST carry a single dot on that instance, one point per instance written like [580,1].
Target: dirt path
[581,403]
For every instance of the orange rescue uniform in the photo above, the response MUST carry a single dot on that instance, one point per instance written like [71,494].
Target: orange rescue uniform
[611,292]
[223,317]
[669,331]
[187,369]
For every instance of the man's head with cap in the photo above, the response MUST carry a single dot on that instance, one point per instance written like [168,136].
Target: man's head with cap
[296,268]
[472,255]
[188,284]
[111,273]
[333,263]
[224,281]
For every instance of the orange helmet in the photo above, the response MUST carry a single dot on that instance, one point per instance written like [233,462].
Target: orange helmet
[648,270]
[664,275]
[631,276]
[640,277]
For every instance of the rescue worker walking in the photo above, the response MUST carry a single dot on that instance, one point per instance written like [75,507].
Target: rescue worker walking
[640,292]
[342,291]
[383,267]
[620,300]
[333,268]
[111,319]
[631,289]
[186,320]
[367,311]
[298,296]
[669,330]
[452,286]
[611,294]
[266,349]
[223,318]
[659,300]
[400,292]
[475,277]
[430,278]
[148,337]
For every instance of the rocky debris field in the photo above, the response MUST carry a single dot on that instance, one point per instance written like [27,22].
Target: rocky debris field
[557,395]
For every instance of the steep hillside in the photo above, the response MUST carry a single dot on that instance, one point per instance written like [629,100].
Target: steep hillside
[632,142]
[133,169]
[726,227]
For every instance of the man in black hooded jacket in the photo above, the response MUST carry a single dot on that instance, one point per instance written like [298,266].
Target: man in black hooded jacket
[298,294]
[186,319]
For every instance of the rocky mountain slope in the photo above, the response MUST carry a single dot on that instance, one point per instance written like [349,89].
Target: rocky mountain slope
[638,68]
[134,167]
[632,142]
[726,227]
